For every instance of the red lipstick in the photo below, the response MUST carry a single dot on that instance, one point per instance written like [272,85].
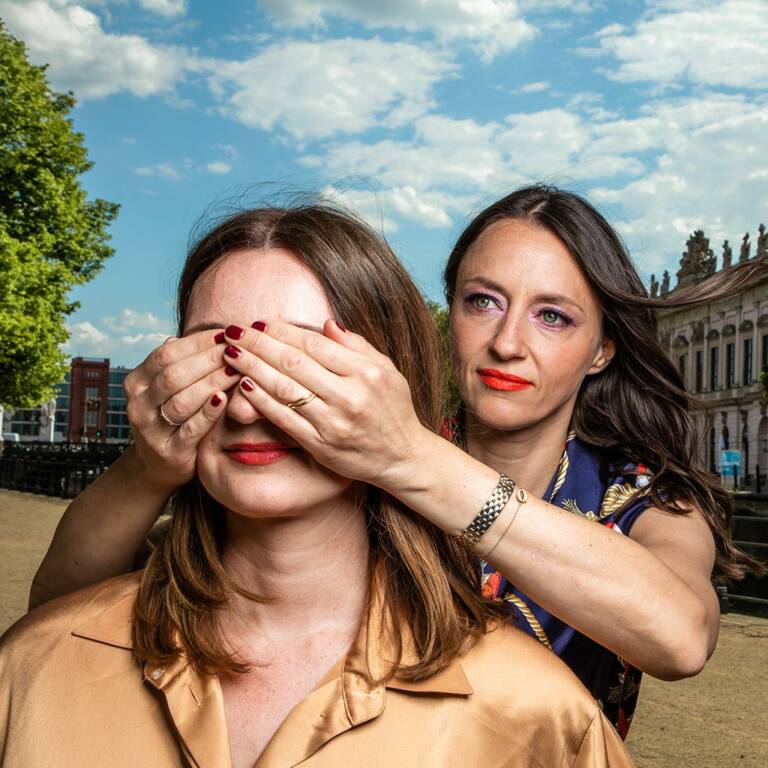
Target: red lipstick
[505,382]
[258,454]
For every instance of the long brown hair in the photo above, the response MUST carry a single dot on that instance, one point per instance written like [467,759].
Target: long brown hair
[638,404]
[432,585]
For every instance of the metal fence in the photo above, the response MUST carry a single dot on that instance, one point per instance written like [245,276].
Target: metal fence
[54,469]
[750,533]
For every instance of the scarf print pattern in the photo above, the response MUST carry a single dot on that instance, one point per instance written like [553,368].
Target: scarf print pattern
[610,493]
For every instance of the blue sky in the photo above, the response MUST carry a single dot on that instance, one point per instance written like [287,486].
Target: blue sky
[416,114]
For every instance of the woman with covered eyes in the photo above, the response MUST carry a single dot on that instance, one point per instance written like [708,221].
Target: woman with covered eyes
[291,615]
[606,533]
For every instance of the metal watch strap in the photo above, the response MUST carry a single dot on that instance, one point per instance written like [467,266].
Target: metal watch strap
[490,511]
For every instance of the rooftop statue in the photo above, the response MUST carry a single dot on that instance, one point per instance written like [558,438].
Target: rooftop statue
[762,242]
[727,255]
[745,248]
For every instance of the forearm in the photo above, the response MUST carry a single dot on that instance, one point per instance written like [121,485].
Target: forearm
[605,585]
[100,531]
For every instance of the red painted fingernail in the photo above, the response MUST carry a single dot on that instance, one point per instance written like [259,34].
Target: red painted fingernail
[219,338]
[247,385]
[215,400]
[235,332]
[259,326]
[341,325]
[231,351]
[230,371]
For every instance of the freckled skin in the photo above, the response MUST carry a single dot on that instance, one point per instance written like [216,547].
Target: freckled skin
[509,328]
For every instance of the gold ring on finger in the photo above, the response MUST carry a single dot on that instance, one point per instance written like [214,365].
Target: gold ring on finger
[166,419]
[302,401]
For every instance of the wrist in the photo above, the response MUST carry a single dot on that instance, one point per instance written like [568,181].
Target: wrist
[140,475]
[410,474]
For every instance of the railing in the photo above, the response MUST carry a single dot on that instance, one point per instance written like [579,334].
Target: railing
[750,533]
[54,469]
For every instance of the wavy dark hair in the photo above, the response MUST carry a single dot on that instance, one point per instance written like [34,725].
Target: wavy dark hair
[638,404]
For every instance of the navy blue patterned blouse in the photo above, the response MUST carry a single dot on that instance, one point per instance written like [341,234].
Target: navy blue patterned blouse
[586,484]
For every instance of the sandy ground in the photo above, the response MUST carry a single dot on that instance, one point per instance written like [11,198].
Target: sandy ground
[718,719]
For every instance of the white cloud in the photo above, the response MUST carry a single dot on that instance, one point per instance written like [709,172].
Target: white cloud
[318,89]
[85,58]
[707,174]
[85,334]
[711,43]
[230,151]
[130,320]
[541,85]
[218,167]
[678,165]
[163,170]
[167,8]
[491,26]
[126,338]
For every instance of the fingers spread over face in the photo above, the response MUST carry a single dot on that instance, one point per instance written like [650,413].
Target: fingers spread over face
[305,375]
[292,422]
[185,371]
[175,349]
[276,342]
[279,367]
[353,341]
[193,429]
[183,404]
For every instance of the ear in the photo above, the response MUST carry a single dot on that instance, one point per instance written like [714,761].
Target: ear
[603,356]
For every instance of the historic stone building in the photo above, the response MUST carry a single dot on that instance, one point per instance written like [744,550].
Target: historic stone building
[720,349]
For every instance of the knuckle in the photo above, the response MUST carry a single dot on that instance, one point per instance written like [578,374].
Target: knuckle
[172,409]
[372,374]
[214,355]
[292,361]
[341,431]
[252,340]
[163,355]
[169,380]
[355,403]
[286,392]
[314,344]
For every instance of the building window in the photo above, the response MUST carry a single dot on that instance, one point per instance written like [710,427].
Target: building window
[682,364]
[714,368]
[699,370]
[764,355]
[730,364]
[747,377]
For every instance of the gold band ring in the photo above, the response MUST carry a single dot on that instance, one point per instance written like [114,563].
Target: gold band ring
[302,401]
[166,419]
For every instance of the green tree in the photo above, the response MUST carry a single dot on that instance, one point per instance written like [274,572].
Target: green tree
[440,316]
[51,236]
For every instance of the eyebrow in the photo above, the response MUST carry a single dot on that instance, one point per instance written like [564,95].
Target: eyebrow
[212,326]
[552,298]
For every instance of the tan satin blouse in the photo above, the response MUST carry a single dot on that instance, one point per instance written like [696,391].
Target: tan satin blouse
[72,696]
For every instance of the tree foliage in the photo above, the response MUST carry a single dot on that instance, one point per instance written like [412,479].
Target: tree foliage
[440,316]
[51,236]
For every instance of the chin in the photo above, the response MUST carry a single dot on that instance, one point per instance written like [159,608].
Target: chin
[500,414]
[272,492]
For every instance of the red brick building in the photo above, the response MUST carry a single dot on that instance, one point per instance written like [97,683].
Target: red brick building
[88,399]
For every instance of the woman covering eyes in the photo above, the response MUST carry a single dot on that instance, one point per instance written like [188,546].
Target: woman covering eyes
[607,557]
[290,615]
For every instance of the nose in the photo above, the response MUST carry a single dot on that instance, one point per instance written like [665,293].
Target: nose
[240,408]
[510,341]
